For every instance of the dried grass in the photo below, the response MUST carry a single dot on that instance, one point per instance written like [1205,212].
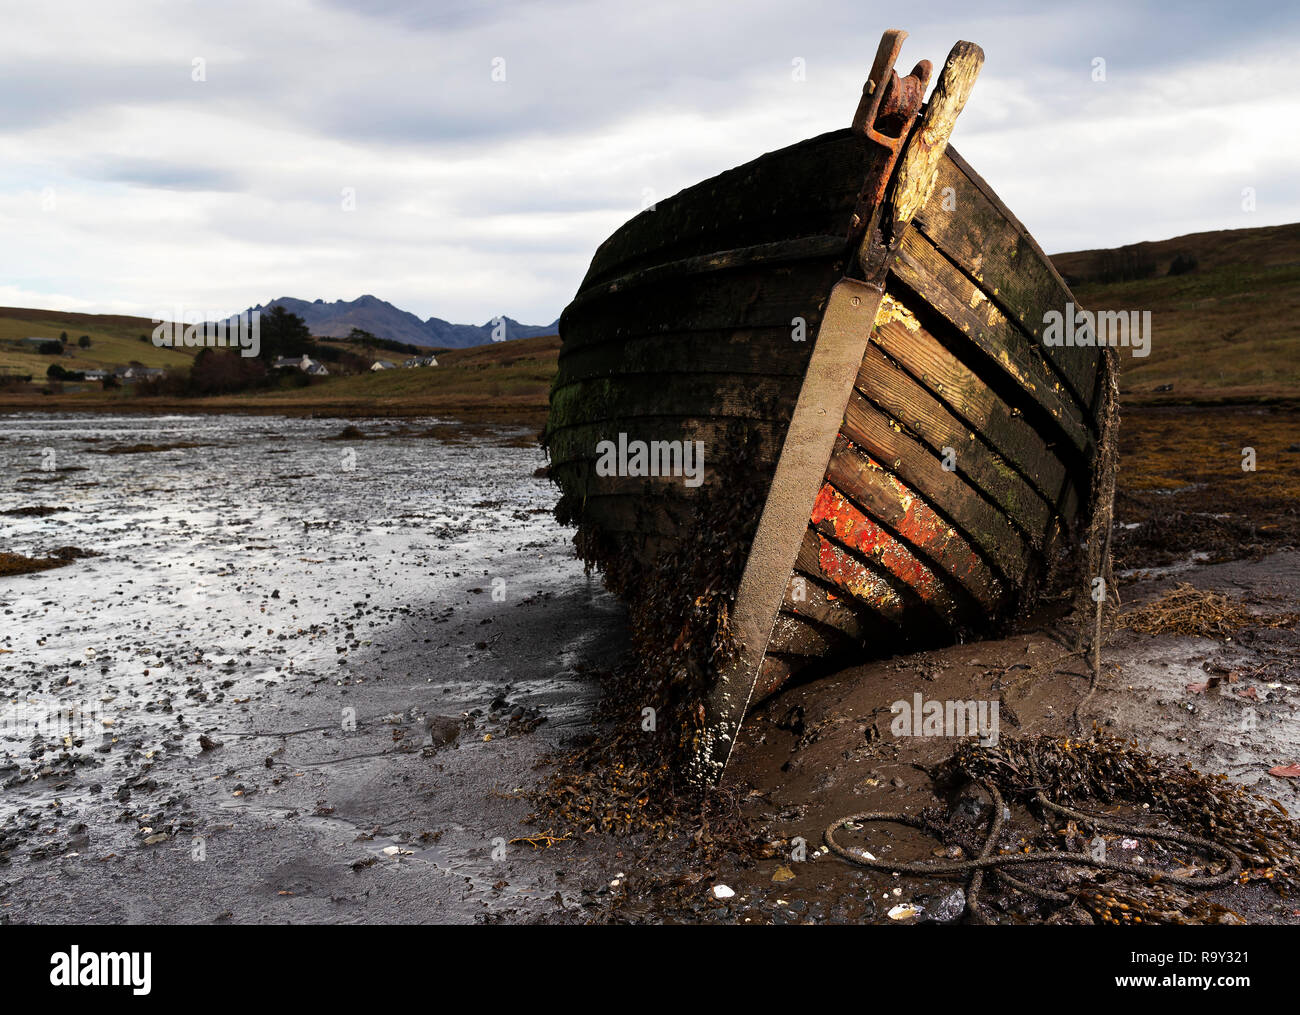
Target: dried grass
[1187,610]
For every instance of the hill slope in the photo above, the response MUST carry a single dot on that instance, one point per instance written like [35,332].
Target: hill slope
[1227,328]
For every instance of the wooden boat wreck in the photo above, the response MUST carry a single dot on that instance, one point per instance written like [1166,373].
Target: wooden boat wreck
[863,316]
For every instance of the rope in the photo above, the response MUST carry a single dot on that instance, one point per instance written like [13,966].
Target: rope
[1102,523]
[988,861]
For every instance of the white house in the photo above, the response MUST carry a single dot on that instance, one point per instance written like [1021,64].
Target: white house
[304,363]
[383,364]
[420,361]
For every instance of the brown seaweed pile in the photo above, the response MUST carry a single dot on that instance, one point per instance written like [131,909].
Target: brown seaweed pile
[1187,610]
[17,563]
[630,778]
[1107,770]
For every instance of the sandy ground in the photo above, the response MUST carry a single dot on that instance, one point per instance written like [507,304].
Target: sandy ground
[340,725]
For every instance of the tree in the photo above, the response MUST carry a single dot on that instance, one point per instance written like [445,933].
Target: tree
[284,333]
[224,371]
[84,341]
[63,337]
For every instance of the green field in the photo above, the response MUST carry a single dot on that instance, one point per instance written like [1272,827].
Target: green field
[115,341]
[1229,330]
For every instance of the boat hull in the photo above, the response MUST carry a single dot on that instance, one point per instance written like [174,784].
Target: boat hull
[918,499]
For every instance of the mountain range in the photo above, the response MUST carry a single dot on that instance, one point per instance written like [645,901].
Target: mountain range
[383,320]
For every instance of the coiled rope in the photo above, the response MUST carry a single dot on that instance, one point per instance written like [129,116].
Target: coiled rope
[988,861]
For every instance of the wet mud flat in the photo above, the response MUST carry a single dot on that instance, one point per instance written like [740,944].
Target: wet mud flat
[305,679]
[294,697]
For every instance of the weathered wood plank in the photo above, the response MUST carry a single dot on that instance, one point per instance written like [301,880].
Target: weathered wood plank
[805,189]
[768,298]
[798,635]
[869,588]
[764,255]
[915,177]
[916,410]
[962,391]
[982,524]
[770,351]
[890,502]
[992,246]
[924,269]
[631,396]
[836,517]
[809,596]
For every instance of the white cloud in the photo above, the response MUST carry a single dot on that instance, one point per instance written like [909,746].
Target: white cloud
[476,197]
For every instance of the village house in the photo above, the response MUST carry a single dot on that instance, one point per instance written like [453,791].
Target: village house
[383,364]
[420,361]
[304,363]
[131,374]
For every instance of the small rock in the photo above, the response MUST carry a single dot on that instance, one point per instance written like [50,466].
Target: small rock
[722,892]
[948,908]
[206,743]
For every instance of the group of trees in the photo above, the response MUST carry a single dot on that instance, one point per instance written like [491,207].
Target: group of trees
[53,348]
[217,371]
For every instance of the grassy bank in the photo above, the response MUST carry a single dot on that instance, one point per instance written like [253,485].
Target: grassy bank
[505,382]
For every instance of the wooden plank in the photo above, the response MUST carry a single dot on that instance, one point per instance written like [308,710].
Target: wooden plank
[923,418]
[775,671]
[810,596]
[805,189]
[836,517]
[763,255]
[765,351]
[924,269]
[947,493]
[767,298]
[964,394]
[917,169]
[871,589]
[891,502]
[751,397]
[801,636]
[996,250]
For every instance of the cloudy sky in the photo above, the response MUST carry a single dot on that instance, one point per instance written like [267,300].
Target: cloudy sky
[214,155]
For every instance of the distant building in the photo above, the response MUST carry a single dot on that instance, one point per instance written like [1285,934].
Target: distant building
[383,364]
[420,361]
[303,363]
[95,375]
[138,373]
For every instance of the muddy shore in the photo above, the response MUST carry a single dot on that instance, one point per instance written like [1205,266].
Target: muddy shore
[369,758]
